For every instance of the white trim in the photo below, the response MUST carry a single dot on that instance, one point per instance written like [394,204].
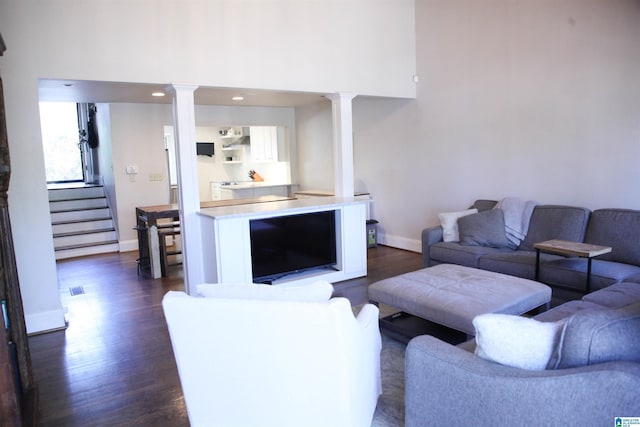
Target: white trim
[400,242]
[45,321]
[128,245]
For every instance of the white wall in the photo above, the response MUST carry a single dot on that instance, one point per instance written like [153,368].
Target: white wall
[535,99]
[105,158]
[362,46]
[315,147]
[137,132]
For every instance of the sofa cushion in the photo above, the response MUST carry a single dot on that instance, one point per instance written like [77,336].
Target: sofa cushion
[516,341]
[597,336]
[483,229]
[516,263]
[618,228]
[449,224]
[572,272]
[566,310]
[635,278]
[484,205]
[615,296]
[455,253]
[555,222]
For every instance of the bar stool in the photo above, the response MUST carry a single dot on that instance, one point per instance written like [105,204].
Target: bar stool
[164,231]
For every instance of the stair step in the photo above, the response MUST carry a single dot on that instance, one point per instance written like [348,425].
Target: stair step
[73,239]
[83,232]
[76,204]
[73,251]
[75,192]
[85,245]
[80,226]
[74,221]
[81,214]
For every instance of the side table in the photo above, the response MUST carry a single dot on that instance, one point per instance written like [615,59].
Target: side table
[565,247]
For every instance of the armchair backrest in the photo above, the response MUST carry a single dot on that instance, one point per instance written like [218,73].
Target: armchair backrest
[256,361]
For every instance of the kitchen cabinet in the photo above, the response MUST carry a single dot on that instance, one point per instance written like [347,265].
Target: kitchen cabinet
[264,143]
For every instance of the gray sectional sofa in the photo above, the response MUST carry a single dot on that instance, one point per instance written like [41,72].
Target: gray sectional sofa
[593,375]
[592,378]
[617,228]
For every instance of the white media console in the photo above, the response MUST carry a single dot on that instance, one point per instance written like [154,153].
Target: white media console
[227,243]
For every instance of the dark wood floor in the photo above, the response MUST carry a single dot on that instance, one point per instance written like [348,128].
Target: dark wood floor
[113,365]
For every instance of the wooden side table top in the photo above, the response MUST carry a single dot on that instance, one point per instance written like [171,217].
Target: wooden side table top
[566,247]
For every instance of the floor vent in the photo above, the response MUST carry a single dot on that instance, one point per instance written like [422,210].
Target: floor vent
[76,290]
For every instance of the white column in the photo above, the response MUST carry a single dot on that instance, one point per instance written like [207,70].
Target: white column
[342,143]
[188,194]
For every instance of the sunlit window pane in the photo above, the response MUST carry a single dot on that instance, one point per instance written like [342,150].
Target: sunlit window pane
[62,158]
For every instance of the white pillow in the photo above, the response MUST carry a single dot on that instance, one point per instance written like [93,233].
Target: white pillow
[449,223]
[516,341]
[315,292]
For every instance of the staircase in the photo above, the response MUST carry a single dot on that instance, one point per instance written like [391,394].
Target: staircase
[81,221]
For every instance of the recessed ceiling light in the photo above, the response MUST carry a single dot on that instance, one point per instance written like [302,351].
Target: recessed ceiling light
[67,84]
[238,98]
[157,94]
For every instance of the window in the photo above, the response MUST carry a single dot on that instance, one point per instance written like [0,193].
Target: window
[60,140]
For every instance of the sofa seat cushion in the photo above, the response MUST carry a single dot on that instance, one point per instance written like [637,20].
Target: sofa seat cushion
[572,272]
[516,263]
[555,222]
[616,295]
[567,309]
[618,228]
[635,278]
[455,253]
[598,336]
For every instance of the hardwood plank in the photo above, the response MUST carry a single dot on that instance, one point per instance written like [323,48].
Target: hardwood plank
[114,364]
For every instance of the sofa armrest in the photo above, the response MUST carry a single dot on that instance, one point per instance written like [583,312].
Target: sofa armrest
[444,382]
[430,236]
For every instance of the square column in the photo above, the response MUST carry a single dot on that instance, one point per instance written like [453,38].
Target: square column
[188,195]
[341,107]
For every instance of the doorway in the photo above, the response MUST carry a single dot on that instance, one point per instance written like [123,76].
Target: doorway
[67,143]
[61,143]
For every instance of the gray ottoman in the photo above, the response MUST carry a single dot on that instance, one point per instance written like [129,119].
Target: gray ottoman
[452,295]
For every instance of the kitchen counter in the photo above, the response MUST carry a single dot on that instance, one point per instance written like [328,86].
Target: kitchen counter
[239,185]
[280,207]
[248,189]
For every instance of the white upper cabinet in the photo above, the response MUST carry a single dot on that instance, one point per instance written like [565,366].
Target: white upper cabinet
[264,143]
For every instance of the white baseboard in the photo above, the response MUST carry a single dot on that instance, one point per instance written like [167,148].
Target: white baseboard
[399,242]
[128,245]
[44,322]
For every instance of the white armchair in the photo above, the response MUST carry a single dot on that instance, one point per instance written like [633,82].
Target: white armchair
[259,355]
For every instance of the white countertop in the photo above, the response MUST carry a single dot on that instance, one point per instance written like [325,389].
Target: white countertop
[241,185]
[285,207]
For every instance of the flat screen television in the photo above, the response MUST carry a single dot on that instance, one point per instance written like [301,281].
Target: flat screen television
[204,148]
[284,245]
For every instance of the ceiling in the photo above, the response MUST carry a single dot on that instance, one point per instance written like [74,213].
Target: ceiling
[109,92]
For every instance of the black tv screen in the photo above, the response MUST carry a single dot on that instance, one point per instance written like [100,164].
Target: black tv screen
[204,148]
[291,244]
